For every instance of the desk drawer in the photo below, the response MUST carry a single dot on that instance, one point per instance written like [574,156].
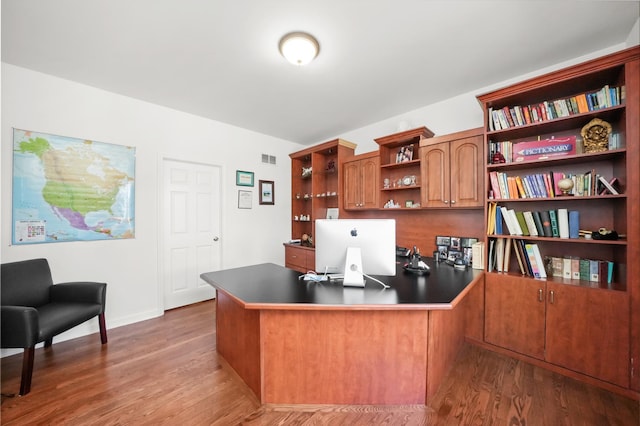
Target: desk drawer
[299,258]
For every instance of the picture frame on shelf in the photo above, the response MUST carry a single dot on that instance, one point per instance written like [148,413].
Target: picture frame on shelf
[245,199]
[405,154]
[267,192]
[244,178]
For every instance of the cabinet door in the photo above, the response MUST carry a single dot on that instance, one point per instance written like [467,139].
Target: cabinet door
[369,182]
[588,331]
[352,184]
[466,172]
[515,313]
[435,175]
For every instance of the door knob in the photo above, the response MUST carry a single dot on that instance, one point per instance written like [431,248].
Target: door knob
[215,238]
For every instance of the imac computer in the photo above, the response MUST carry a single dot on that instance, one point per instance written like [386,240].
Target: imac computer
[356,248]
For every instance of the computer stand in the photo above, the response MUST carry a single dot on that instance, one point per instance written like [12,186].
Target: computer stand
[353,276]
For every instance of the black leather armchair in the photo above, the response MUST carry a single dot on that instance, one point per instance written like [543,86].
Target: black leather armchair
[33,309]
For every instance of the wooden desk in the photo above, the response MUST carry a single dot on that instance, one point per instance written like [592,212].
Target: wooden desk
[296,342]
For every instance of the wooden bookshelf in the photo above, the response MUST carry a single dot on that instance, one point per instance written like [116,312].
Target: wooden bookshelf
[580,326]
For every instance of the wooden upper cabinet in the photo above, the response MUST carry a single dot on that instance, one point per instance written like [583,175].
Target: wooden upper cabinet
[452,170]
[435,175]
[361,182]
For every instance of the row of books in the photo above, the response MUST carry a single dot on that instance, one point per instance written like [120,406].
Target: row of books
[531,263]
[545,185]
[575,268]
[528,256]
[514,116]
[561,223]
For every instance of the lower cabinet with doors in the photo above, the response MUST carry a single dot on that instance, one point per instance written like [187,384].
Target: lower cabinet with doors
[578,328]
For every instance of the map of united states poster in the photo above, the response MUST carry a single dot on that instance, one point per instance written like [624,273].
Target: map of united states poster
[68,189]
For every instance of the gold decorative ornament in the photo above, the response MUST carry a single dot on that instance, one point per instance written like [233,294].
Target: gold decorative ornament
[595,135]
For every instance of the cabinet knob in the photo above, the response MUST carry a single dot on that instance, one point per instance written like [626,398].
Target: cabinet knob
[453,201]
[540,296]
[446,201]
[552,298]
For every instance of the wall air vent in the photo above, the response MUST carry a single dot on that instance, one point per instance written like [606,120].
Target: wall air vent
[268,159]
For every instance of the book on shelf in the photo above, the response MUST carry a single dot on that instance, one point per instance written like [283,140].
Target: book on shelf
[585,269]
[522,267]
[499,250]
[538,222]
[566,267]
[535,260]
[554,223]
[574,224]
[491,258]
[531,225]
[522,223]
[507,255]
[556,266]
[575,268]
[609,186]
[594,270]
[563,223]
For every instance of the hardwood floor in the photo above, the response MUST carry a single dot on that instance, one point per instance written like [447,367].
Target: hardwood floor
[166,371]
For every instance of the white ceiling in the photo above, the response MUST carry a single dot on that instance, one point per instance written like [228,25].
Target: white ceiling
[219,58]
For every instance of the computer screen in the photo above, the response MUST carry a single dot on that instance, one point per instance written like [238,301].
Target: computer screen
[356,247]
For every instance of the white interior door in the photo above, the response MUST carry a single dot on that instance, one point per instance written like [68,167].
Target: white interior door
[191,243]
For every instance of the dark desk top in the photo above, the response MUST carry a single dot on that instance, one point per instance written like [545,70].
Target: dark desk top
[270,286]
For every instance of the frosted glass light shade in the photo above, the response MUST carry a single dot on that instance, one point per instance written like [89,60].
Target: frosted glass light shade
[299,48]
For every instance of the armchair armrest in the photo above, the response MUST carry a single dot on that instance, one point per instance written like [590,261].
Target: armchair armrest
[19,326]
[80,292]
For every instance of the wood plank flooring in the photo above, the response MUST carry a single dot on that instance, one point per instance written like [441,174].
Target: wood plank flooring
[166,371]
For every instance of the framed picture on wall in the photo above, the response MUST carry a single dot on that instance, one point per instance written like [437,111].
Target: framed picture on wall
[267,195]
[244,178]
[244,199]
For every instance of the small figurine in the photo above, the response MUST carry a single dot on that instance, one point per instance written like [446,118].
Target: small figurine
[306,240]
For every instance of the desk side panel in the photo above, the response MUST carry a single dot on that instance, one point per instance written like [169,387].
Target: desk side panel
[344,357]
[238,339]
[446,337]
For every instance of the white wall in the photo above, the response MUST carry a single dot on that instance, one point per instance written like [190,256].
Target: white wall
[39,102]
[461,112]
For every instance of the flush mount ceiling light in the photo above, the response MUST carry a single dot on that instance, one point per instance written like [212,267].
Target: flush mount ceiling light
[299,48]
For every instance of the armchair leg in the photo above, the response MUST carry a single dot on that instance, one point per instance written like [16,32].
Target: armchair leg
[48,342]
[27,370]
[103,328]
